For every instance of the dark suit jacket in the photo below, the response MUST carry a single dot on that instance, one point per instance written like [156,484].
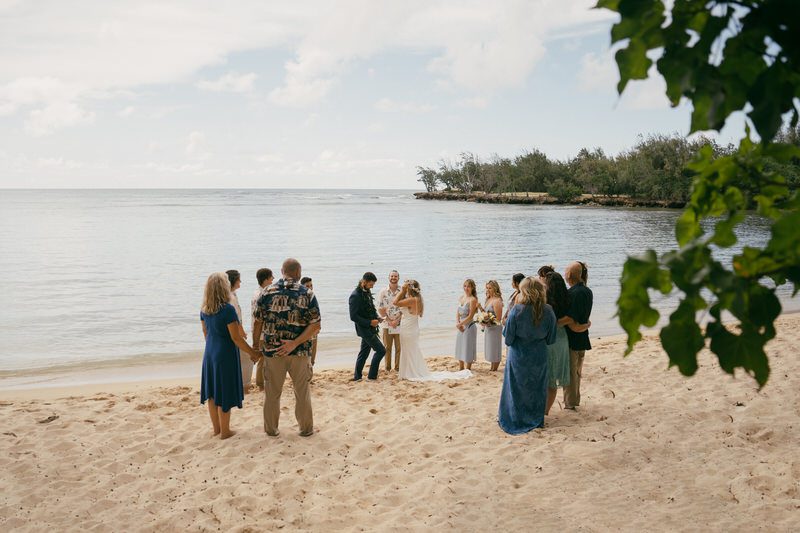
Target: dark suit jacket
[580,307]
[362,312]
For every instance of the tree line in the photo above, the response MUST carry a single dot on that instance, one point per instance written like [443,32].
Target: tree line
[654,169]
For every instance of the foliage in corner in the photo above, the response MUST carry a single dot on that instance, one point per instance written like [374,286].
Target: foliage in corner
[723,56]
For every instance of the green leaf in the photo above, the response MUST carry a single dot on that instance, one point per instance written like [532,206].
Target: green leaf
[674,66]
[633,64]
[739,351]
[724,235]
[782,152]
[723,56]
[698,21]
[771,96]
[608,4]
[682,339]
[702,112]
[633,305]
[687,227]
[764,308]
[786,236]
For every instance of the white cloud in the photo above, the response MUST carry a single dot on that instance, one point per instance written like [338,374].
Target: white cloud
[387,105]
[646,94]
[269,158]
[333,163]
[179,173]
[478,46]
[160,112]
[230,82]
[56,115]
[106,47]
[310,120]
[299,92]
[57,162]
[475,102]
[128,111]
[195,144]
[32,90]
[599,73]
[51,103]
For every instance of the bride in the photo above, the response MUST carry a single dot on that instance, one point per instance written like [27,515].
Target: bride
[412,363]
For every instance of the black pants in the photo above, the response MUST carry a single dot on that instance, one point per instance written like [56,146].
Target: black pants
[370,343]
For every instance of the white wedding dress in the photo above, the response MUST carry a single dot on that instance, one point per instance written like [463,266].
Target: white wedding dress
[412,363]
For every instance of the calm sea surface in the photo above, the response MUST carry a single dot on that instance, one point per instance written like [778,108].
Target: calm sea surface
[93,278]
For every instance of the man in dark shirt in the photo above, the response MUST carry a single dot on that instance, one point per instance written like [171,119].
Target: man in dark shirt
[580,307]
[365,317]
[286,320]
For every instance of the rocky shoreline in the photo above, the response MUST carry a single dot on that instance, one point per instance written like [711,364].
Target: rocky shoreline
[545,199]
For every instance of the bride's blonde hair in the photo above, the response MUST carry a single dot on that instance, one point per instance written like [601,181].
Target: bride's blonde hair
[532,292]
[415,291]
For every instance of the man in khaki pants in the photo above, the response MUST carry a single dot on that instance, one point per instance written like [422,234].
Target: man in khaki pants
[390,326]
[287,318]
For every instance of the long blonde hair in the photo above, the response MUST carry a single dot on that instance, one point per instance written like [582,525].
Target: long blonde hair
[492,284]
[533,293]
[217,293]
[473,290]
[415,291]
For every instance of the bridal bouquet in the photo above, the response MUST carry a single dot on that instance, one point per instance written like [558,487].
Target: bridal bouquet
[486,318]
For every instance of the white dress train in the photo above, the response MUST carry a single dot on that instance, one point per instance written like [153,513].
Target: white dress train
[412,363]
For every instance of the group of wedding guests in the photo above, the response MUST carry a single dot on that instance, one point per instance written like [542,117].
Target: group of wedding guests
[286,320]
[545,326]
[546,330]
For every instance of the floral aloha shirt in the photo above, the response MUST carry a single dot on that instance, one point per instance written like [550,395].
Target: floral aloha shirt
[286,308]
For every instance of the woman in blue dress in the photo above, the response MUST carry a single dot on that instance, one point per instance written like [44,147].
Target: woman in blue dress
[221,383]
[530,327]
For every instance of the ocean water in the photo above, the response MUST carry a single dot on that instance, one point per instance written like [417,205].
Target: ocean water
[114,278]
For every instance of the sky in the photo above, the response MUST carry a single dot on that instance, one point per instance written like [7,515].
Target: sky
[313,94]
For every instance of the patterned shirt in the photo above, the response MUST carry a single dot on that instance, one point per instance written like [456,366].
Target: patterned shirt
[286,309]
[254,306]
[385,300]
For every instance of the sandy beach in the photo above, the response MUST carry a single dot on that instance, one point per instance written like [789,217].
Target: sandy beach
[647,450]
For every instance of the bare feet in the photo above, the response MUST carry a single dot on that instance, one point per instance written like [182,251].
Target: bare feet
[215,433]
[227,435]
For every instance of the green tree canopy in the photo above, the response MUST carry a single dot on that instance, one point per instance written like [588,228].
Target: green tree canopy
[722,56]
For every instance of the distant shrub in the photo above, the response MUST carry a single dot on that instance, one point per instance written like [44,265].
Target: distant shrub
[563,190]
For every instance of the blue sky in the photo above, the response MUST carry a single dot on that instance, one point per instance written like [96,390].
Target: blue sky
[320,94]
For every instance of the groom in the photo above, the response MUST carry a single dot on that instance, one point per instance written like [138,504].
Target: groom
[365,317]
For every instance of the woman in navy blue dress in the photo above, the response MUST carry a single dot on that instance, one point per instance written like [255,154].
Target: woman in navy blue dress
[221,384]
[530,327]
